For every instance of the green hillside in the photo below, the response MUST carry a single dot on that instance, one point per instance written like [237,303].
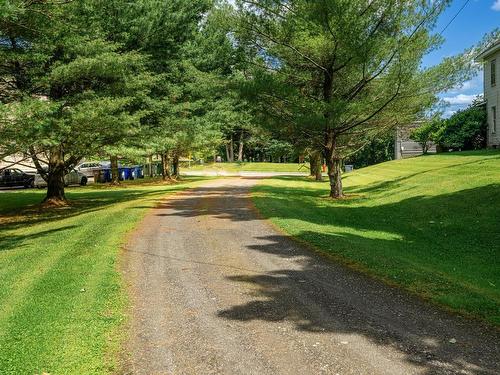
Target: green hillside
[429,224]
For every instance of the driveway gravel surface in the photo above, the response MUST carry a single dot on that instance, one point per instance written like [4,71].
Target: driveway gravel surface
[216,290]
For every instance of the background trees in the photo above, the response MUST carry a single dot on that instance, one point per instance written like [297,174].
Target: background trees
[344,72]
[323,79]
[464,130]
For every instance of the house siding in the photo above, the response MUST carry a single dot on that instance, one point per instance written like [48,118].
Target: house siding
[492,98]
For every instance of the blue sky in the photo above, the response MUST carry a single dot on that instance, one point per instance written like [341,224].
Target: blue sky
[478,18]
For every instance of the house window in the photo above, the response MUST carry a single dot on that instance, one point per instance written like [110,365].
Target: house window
[493,72]
[494,123]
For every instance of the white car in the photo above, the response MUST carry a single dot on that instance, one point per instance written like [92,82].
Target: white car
[72,178]
[88,168]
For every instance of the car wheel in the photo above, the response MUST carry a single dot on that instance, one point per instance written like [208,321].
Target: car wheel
[83,181]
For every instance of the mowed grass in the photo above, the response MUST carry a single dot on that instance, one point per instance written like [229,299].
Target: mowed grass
[250,167]
[62,302]
[429,224]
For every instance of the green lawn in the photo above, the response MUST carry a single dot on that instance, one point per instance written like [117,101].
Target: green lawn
[62,301]
[429,224]
[251,167]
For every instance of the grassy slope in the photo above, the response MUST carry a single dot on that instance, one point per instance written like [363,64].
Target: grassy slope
[251,167]
[429,224]
[61,301]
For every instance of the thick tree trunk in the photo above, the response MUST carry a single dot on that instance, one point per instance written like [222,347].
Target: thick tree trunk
[335,177]
[231,150]
[175,165]
[115,173]
[165,167]
[55,178]
[319,173]
[240,148]
[315,166]
[334,164]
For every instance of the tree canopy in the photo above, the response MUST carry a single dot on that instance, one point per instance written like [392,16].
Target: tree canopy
[83,79]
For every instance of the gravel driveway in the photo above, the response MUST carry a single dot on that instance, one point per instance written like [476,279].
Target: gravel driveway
[216,290]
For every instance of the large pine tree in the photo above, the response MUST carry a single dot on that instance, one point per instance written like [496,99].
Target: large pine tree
[72,90]
[341,72]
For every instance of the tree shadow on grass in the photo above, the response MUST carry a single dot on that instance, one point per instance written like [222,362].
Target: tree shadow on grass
[82,202]
[15,241]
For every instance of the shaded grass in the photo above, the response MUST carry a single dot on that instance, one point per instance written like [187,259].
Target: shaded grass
[250,167]
[62,302]
[429,224]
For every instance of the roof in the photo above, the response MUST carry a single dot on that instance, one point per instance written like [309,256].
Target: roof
[489,51]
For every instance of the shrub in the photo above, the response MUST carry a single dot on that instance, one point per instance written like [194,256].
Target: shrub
[465,130]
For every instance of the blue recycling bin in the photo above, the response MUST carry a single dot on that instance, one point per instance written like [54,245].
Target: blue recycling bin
[125,173]
[137,171]
[102,175]
[106,174]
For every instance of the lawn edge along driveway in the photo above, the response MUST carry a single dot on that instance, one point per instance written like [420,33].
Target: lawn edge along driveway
[66,304]
[428,225]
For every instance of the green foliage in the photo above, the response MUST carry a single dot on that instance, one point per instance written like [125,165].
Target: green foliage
[73,91]
[425,134]
[464,130]
[337,73]
[376,151]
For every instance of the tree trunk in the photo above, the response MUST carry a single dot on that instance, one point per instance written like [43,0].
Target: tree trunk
[316,166]
[151,166]
[175,166]
[231,150]
[115,173]
[227,152]
[165,167]
[240,148]
[334,164]
[335,177]
[312,164]
[55,178]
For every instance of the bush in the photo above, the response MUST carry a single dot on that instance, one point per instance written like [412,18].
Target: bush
[465,130]
[425,134]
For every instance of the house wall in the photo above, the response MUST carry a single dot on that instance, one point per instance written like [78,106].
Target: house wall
[492,98]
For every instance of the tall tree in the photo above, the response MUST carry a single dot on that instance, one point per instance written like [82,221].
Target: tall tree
[74,91]
[341,72]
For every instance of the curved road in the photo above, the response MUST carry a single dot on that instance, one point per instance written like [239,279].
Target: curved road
[216,290]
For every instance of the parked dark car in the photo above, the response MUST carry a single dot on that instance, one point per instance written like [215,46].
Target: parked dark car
[15,177]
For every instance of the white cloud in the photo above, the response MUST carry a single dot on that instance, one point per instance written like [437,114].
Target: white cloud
[467,85]
[448,113]
[459,99]
[496,6]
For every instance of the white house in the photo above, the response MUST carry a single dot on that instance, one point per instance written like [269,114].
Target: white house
[491,61]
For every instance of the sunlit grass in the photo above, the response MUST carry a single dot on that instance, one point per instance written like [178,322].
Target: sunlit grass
[429,224]
[250,167]
[62,302]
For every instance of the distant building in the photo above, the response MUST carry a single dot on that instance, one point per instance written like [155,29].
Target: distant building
[19,161]
[491,62]
[404,147]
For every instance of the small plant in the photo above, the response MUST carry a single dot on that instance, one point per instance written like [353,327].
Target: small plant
[425,134]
